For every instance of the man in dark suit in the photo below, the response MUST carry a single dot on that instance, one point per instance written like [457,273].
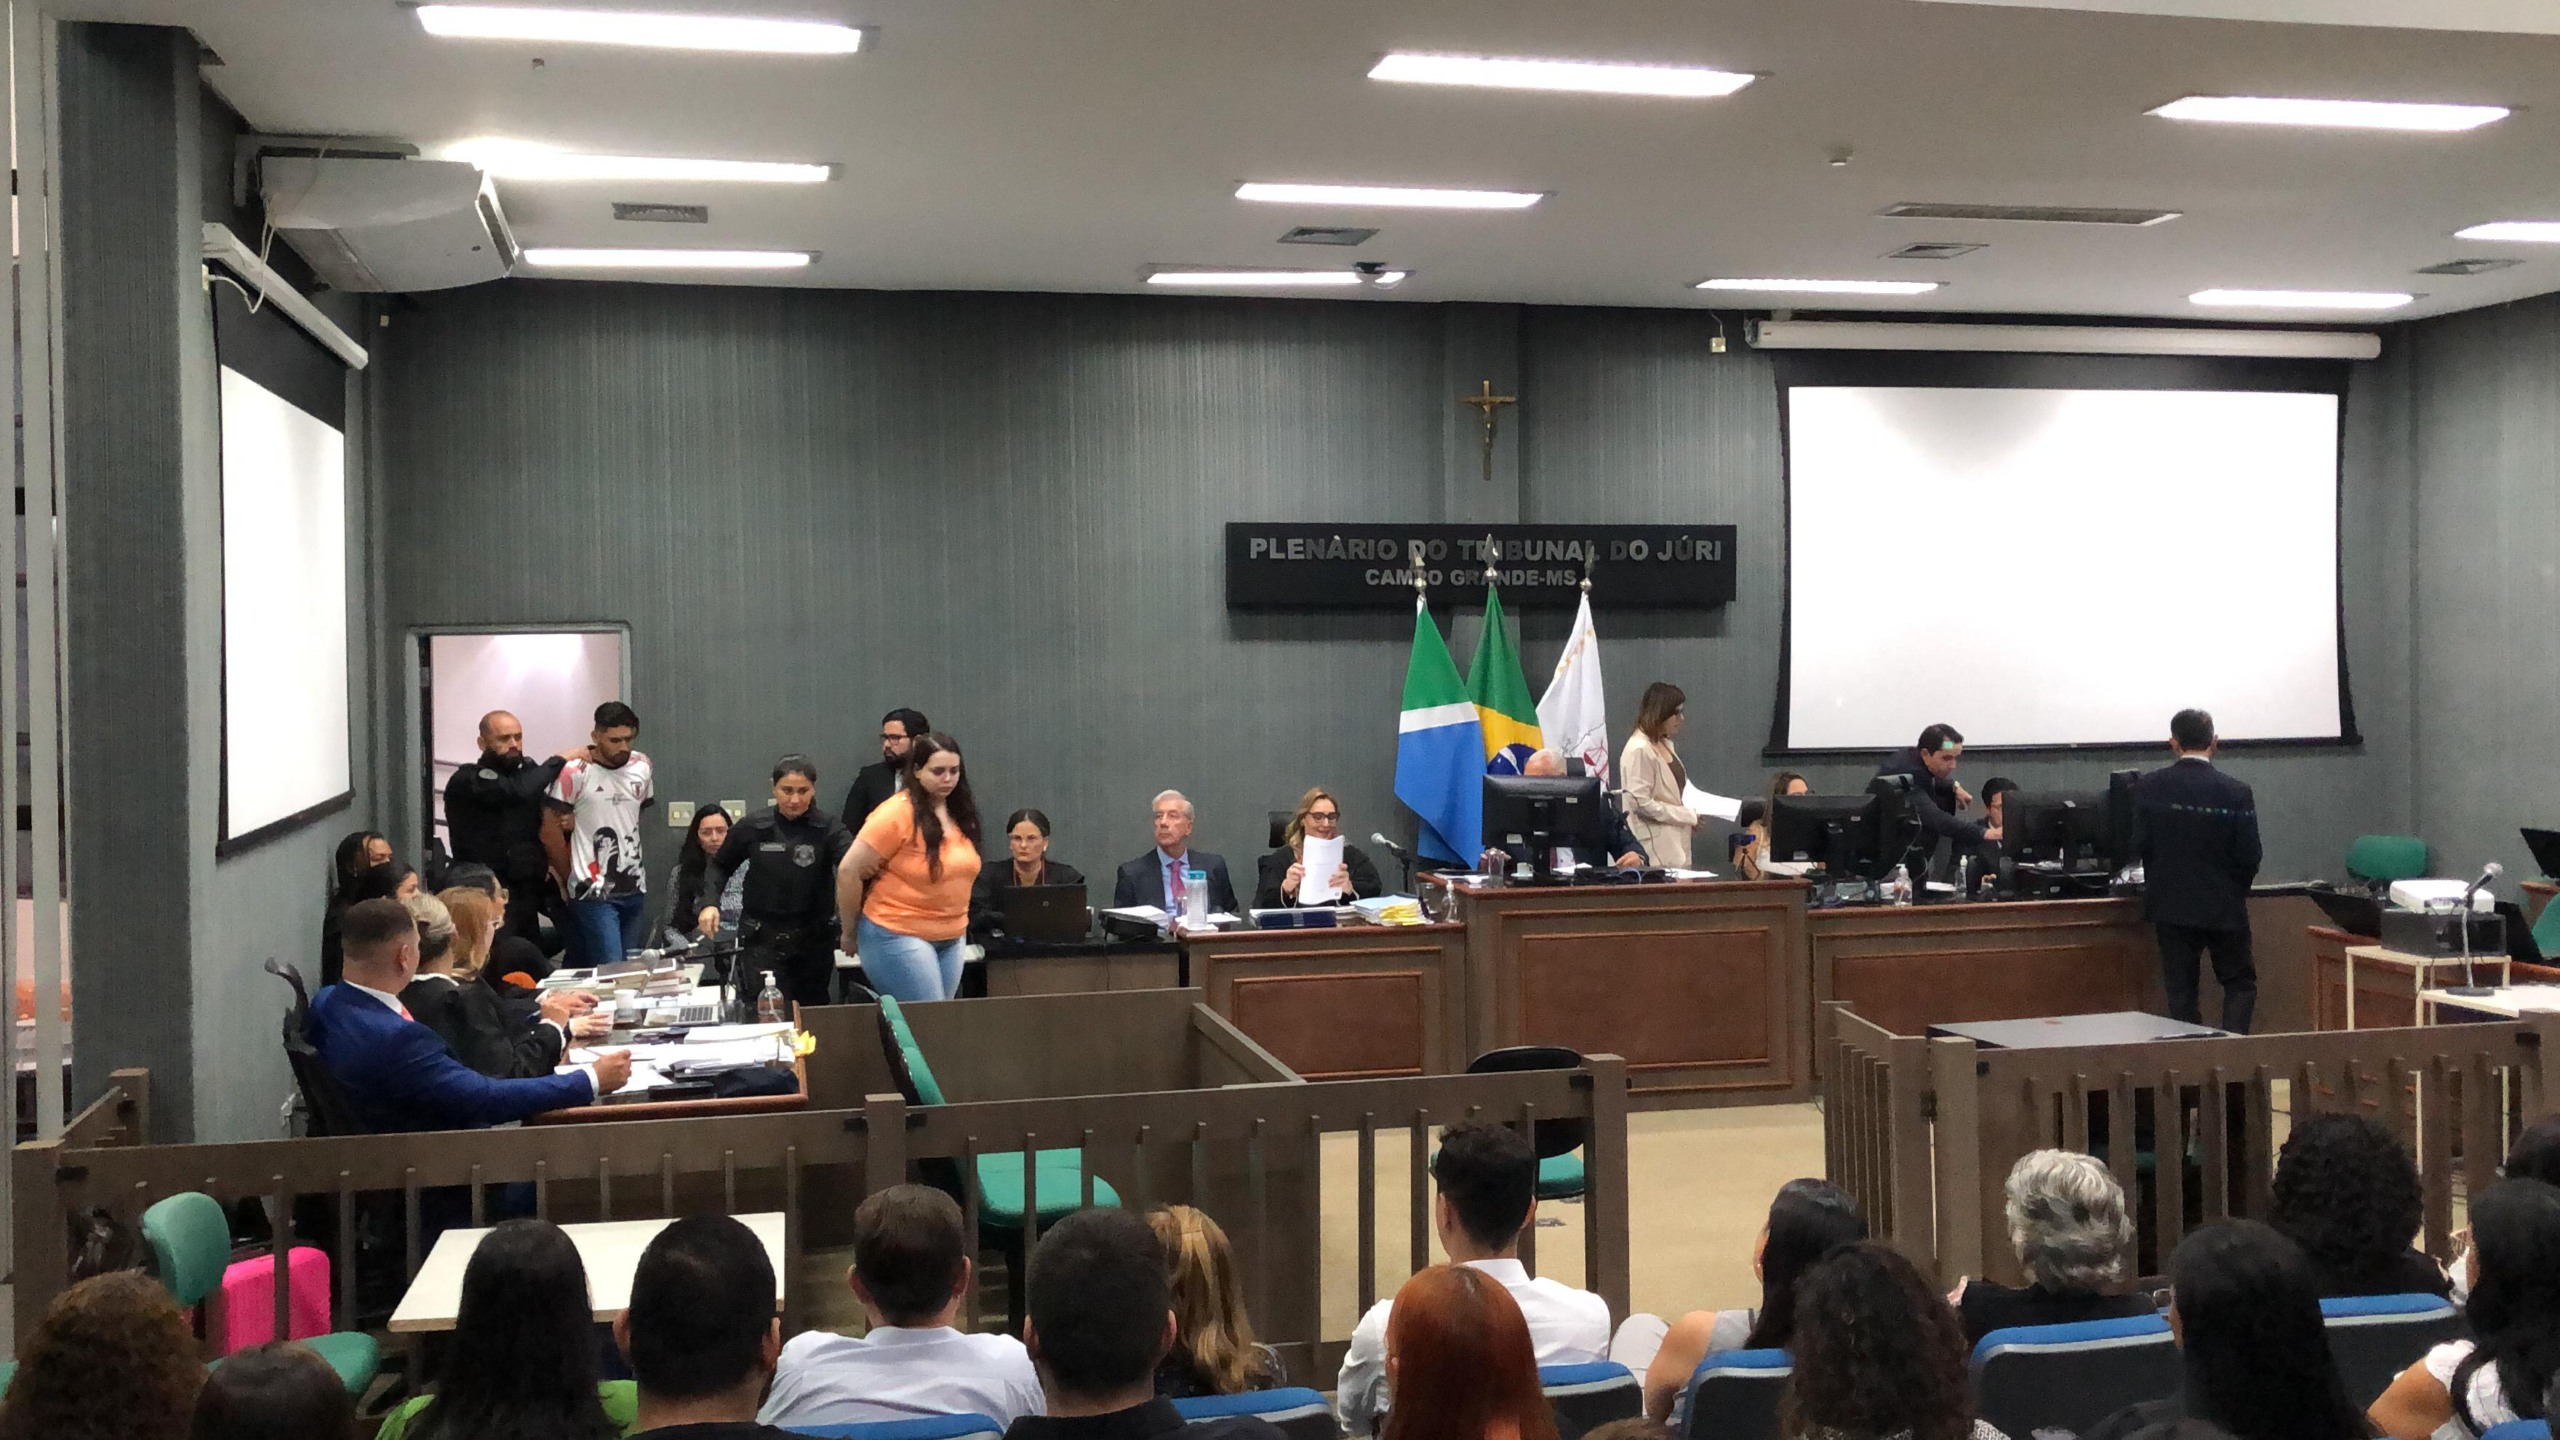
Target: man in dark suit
[397,1074]
[1155,878]
[2196,832]
[1936,799]
[873,784]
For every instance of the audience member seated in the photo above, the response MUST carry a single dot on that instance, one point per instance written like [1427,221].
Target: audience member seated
[1461,1363]
[685,884]
[522,1357]
[1319,816]
[397,1074]
[1878,1355]
[2073,1235]
[1026,834]
[360,851]
[701,1335]
[1155,878]
[2463,1387]
[1808,1220]
[1487,1178]
[2347,1193]
[448,997]
[1214,1352]
[1639,1427]
[1624,848]
[1100,1324]
[514,963]
[2534,1156]
[2247,1318]
[113,1359]
[274,1392]
[1755,817]
[911,1271]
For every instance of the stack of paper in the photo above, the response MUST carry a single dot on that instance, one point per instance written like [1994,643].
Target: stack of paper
[1390,910]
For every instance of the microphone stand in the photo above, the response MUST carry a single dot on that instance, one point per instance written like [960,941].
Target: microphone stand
[2468,989]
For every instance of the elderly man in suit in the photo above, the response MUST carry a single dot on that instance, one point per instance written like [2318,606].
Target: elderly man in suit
[1155,878]
[397,1074]
[2196,831]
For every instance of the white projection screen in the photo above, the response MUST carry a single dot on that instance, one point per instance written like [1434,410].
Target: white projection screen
[2053,567]
[284,610]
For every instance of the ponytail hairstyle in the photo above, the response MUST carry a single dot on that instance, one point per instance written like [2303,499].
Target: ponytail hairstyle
[962,806]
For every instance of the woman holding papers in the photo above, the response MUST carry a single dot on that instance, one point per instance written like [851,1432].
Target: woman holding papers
[1654,778]
[1315,848]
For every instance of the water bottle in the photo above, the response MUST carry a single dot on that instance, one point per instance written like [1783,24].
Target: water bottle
[1195,899]
[769,1003]
[1898,885]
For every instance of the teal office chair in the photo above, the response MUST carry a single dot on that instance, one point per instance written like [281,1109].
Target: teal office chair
[2386,858]
[2546,933]
[190,1242]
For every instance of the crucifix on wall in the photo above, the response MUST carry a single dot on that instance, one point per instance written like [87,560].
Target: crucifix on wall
[1490,404]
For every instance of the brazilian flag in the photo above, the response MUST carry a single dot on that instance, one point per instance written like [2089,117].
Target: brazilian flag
[1505,710]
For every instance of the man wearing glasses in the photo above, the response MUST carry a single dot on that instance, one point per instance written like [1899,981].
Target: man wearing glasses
[1282,872]
[875,783]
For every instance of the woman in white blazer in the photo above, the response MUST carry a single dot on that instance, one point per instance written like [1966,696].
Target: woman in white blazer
[1650,770]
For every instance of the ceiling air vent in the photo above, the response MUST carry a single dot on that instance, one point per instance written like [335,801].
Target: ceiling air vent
[2466,267]
[2031,214]
[662,214]
[1328,235]
[1934,250]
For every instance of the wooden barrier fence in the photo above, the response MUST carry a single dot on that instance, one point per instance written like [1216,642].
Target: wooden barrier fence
[1923,1131]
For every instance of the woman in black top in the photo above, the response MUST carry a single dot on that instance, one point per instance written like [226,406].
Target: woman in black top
[2347,1193]
[686,900]
[1877,1355]
[1320,815]
[467,1015]
[387,880]
[1026,834]
[2068,1222]
[2251,1338]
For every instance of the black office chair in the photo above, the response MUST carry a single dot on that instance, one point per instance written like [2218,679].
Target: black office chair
[1558,1142]
[1280,828]
[323,1103]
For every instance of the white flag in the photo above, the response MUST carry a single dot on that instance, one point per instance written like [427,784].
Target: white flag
[1573,713]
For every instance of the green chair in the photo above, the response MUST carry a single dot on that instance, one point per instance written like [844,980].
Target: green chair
[1058,1182]
[2546,934]
[2387,857]
[190,1240]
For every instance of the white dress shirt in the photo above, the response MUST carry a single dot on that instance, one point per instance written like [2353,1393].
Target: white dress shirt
[896,1373]
[1567,1327]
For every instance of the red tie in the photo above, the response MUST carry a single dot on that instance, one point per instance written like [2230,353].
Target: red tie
[405,1015]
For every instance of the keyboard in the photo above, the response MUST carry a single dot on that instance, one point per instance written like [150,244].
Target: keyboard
[701,1012]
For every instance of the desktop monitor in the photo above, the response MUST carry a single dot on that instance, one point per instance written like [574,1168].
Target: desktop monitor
[1538,813]
[1837,832]
[2053,827]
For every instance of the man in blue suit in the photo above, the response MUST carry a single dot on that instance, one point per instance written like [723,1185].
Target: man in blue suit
[396,1073]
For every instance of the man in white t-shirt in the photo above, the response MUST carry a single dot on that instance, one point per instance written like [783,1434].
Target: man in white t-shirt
[910,1270]
[1487,1178]
[594,838]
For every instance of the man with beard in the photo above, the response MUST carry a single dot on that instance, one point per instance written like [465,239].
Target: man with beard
[593,840]
[876,783]
[493,811]
[786,920]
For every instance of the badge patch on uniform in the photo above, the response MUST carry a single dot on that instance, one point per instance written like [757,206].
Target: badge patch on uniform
[804,856]
[488,774]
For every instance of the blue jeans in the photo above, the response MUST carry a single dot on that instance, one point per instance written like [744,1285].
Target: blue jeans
[905,967]
[602,932]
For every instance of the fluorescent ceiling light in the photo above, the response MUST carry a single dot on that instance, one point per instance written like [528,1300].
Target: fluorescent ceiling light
[1828,287]
[666,32]
[519,160]
[1414,197]
[2062,339]
[1234,279]
[1592,77]
[572,258]
[2534,232]
[2304,299]
[2333,114]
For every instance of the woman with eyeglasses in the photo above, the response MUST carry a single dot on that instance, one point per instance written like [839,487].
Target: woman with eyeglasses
[1026,835]
[1318,817]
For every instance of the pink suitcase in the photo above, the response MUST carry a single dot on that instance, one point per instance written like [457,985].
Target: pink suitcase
[249,1299]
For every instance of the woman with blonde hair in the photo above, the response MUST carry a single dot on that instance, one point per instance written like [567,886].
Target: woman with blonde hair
[1319,815]
[455,931]
[1655,780]
[1214,1352]
[476,919]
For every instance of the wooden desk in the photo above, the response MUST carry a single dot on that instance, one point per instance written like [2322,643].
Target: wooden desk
[1699,984]
[610,1250]
[1908,967]
[1350,1002]
[1020,968]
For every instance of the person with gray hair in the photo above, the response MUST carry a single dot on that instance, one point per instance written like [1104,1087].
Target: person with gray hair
[2073,1233]
[1157,877]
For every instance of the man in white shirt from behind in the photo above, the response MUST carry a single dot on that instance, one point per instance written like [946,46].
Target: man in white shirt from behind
[911,1268]
[1487,1179]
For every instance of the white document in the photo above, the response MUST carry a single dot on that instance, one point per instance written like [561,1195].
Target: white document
[1319,858]
[718,1034]
[1144,914]
[1699,802]
[1677,873]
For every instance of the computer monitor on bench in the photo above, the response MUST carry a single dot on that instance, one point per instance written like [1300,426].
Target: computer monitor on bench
[1840,833]
[1539,813]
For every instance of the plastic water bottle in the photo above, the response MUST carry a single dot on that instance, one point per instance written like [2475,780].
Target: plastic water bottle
[769,1003]
[1898,885]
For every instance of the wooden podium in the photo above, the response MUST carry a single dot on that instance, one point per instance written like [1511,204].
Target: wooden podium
[1345,1002]
[1699,984]
[1908,967]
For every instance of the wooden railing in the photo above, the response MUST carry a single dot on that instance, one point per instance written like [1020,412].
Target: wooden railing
[1924,1131]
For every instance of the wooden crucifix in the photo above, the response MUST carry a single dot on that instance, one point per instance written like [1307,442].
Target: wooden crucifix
[1490,404]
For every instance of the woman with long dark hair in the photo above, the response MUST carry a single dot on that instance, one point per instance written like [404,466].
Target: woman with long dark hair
[685,903]
[522,1362]
[1877,1353]
[902,893]
[359,852]
[2251,1338]
[1460,1363]
[1808,1220]
[2463,1387]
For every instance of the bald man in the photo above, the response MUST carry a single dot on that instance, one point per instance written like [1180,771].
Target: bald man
[493,811]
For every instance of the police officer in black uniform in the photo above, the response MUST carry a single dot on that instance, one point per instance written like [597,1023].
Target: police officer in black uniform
[786,921]
[493,811]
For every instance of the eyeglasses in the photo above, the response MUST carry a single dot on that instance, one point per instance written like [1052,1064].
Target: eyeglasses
[1332,816]
[885,736]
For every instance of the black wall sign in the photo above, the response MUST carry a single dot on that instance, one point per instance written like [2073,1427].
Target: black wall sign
[1337,567]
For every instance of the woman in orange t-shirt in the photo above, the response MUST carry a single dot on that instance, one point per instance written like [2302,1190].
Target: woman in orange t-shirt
[908,875]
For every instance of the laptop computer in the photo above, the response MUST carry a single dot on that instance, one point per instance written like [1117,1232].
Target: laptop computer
[2353,913]
[1053,913]
[2545,845]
